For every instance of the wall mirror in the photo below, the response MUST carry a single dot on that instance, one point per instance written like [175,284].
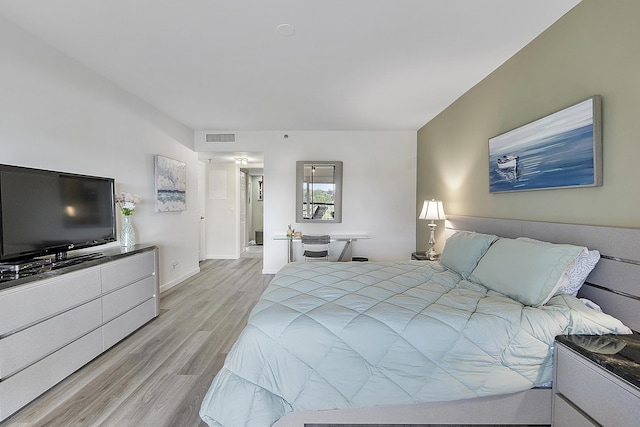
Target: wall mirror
[318,191]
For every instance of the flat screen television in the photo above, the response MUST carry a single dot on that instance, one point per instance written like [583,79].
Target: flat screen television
[45,212]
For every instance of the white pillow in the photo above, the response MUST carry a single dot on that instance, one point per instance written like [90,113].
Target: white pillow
[592,305]
[577,274]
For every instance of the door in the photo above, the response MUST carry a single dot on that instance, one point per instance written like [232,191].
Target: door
[243,212]
[200,214]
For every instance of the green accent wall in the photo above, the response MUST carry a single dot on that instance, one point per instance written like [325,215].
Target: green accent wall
[593,50]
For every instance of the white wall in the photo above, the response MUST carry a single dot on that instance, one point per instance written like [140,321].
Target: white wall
[379,189]
[56,114]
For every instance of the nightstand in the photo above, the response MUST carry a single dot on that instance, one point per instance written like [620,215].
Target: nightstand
[420,256]
[596,380]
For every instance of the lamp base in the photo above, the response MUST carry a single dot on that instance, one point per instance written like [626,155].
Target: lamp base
[432,255]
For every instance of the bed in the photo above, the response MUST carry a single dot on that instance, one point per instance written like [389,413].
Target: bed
[412,342]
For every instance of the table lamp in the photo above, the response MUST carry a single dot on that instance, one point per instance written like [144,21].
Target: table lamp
[433,210]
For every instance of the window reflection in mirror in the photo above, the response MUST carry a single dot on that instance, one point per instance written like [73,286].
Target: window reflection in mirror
[318,191]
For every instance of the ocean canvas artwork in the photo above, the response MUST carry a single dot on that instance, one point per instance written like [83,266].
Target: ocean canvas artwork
[560,150]
[171,184]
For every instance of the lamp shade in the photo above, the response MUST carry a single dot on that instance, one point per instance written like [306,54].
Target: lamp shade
[432,209]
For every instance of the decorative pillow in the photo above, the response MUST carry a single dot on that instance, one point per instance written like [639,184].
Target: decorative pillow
[585,262]
[463,250]
[525,271]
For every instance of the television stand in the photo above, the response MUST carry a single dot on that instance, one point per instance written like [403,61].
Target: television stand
[53,323]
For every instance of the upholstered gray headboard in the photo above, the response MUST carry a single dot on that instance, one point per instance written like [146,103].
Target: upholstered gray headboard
[615,282]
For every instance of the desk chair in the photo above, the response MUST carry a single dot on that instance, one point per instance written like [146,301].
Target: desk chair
[315,247]
[319,213]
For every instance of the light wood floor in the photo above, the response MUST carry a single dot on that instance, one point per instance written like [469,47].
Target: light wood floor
[159,375]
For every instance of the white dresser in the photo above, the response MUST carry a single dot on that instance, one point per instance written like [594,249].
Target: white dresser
[53,323]
[597,381]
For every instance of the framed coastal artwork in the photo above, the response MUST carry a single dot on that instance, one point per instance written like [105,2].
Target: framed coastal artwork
[171,184]
[561,150]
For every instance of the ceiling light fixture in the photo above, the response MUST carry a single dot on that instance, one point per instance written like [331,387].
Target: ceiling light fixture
[241,160]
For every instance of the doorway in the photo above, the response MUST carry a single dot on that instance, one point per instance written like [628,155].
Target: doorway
[232,203]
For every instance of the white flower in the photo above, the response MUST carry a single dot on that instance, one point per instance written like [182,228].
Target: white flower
[127,202]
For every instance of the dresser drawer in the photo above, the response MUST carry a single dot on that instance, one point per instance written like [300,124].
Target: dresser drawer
[20,389]
[28,304]
[122,300]
[565,415]
[128,322]
[128,270]
[29,345]
[605,398]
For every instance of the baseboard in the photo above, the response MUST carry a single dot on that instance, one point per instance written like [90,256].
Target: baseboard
[223,256]
[178,280]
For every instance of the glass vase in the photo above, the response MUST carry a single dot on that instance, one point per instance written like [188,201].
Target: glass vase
[127,234]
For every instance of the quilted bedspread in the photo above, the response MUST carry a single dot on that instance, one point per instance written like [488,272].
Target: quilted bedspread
[337,335]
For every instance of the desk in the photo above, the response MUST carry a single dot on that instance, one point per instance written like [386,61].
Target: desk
[348,238]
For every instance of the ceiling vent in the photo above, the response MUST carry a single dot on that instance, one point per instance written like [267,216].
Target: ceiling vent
[220,138]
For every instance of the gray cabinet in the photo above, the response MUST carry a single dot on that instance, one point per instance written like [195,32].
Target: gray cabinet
[586,393]
[51,327]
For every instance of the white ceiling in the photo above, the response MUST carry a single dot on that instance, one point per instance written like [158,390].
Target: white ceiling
[371,65]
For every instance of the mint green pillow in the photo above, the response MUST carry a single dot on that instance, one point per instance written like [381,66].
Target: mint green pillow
[525,271]
[463,250]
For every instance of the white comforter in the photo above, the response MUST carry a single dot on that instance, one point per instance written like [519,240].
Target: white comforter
[337,335]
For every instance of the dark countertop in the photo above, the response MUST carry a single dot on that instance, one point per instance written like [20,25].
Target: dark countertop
[73,263]
[618,354]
